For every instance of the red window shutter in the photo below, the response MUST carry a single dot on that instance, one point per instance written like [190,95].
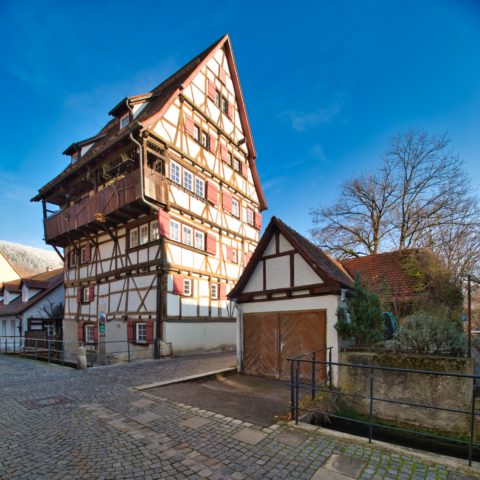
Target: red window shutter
[227,202]
[223,75]
[230,111]
[149,332]
[164,223]
[91,293]
[224,153]
[212,193]
[211,244]
[81,333]
[95,333]
[258,220]
[88,252]
[79,294]
[178,284]
[245,169]
[188,124]
[229,253]
[222,291]
[212,144]
[130,331]
[212,91]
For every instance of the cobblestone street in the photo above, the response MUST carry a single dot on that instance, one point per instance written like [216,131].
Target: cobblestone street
[98,427]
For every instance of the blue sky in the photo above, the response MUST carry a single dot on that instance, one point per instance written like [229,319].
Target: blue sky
[326,85]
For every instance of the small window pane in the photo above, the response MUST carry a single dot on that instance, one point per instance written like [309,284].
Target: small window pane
[124,120]
[134,237]
[199,240]
[204,141]
[141,333]
[236,164]
[174,230]
[85,298]
[188,180]
[234,256]
[154,234]
[249,217]
[200,187]
[89,338]
[235,208]
[187,287]
[144,234]
[217,98]
[196,133]
[187,236]
[214,291]
[175,172]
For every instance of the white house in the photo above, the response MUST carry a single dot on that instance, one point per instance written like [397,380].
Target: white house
[24,307]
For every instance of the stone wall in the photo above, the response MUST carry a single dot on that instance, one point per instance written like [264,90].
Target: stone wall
[439,391]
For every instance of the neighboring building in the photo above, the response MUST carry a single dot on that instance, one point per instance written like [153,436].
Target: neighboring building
[8,272]
[160,212]
[25,305]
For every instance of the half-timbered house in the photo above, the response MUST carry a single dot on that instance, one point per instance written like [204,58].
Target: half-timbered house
[159,213]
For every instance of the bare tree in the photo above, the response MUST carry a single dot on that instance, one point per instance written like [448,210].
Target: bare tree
[358,222]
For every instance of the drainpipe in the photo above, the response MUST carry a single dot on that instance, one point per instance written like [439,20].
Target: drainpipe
[156,350]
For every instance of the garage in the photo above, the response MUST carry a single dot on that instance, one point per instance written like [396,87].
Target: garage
[287,299]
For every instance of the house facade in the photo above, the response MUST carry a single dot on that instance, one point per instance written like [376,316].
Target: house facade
[25,308]
[159,213]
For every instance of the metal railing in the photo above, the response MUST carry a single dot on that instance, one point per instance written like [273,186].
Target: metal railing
[311,385]
[64,352]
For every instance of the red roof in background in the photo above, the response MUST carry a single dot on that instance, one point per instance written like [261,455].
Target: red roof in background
[385,271]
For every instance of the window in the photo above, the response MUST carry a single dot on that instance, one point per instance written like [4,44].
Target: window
[124,120]
[204,140]
[73,258]
[175,172]
[187,235]
[49,330]
[235,208]
[85,296]
[234,256]
[187,287]
[89,335]
[154,234]
[214,291]
[75,158]
[134,237]
[236,164]
[196,133]
[144,234]
[174,230]
[199,240]
[230,159]
[249,216]
[224,105]
[217,98]
[141,333]
[188,180]
[199,187]
[83,255]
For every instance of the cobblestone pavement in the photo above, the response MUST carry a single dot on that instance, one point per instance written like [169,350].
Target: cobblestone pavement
[101,428]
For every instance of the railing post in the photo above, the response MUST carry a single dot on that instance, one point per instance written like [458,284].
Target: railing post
[472,423]
[313,376]
[297,388]
[128,349]
[49,350]
[292,390]
[5,344]
[370,417]
[330,368]
[36,348]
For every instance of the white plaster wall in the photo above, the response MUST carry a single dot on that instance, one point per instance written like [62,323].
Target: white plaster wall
[195,336]
[304,273]
[256,279]
[278,272]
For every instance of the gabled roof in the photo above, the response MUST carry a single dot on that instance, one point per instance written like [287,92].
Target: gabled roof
[158,100]
[45,282]
[331,271]
[385,272]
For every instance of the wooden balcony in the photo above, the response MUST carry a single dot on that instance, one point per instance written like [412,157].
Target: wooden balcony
[116,203]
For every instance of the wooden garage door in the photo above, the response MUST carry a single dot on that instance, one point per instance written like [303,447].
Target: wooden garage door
[270,338]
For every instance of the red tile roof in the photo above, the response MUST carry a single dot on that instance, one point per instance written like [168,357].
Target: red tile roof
[385,272]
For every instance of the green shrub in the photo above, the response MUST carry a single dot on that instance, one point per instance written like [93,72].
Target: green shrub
[362,318]
[430,333]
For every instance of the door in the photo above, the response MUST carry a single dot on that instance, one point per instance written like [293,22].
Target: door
[269,339]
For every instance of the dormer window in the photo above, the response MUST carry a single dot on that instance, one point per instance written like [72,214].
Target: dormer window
[75,157]
[124,120]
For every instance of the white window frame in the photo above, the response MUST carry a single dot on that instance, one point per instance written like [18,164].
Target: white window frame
[187,287]
[204,139]
[133,238]
[235,208]
[214,291]
[124,120]
[234,255]
[175,172]
[75,157]
[199,187]
[89,333]
[187,234]
[174,230]
[140,332]
[83,254]
[236,164]
[199,240]
[49,330]
[143,234]
[188,180]
[230,158]
[196,132]
[154,232]
[250,217]
[85,295]
[73,258]
[218,98]
[224,105]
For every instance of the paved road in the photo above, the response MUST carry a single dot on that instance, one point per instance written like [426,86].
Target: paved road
[103,429]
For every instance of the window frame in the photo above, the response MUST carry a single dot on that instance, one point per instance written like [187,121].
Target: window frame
[200,235]
[145,227]
[234,255]
[177,229]
[235,211]
[184,235]
[83,255]
[200,181]
[124,120]
[175,178]
[187,173]
[218,97]
[224,105]
[250,217]
[236,164]
[89,333]
[130,238]
[189,282]
[154,231]
[85,295]
[214,291]
[204,139]
[141,339]
[196,132]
